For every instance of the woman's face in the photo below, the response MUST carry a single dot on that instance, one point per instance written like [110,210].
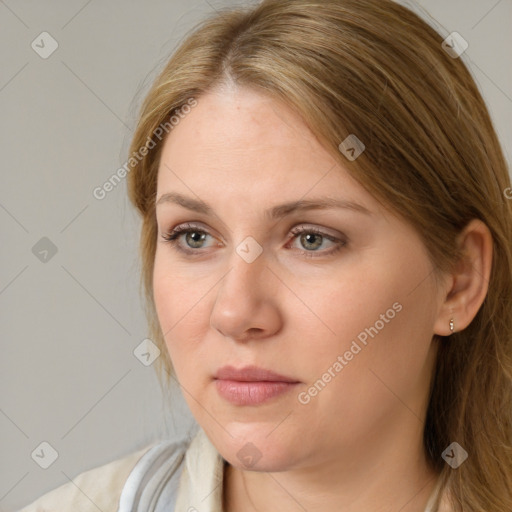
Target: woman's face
[341,299]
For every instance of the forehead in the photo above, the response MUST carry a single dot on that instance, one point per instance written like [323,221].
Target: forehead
[237,117]
[244,142]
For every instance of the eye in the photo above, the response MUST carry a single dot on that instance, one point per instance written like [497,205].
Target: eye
[311,239]
[194,238]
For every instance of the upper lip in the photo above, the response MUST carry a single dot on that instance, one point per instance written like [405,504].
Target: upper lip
[251,374]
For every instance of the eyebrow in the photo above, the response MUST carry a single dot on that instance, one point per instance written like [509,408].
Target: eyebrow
[277,212]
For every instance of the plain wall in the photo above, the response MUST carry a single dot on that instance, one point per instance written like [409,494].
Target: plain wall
[69,325]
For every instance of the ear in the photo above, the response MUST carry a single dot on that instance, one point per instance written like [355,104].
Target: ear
[469,282]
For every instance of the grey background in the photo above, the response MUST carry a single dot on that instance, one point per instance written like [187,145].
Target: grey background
[69,325]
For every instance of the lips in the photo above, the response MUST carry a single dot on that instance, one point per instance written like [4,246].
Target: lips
[251,385]
[251,374]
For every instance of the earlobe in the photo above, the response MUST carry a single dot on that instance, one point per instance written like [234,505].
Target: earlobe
[469,281]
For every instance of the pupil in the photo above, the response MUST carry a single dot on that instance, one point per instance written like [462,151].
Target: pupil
[196,237]
[310,239]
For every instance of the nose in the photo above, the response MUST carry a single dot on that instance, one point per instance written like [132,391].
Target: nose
[246,303]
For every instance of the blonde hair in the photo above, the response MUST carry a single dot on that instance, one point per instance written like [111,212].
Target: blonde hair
[374,69]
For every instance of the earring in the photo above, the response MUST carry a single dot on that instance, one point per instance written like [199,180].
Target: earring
[452,329]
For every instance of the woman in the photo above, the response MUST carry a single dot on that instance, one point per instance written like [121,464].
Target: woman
[326,242]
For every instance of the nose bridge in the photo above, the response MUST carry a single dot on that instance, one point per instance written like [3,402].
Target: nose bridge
[242,283]
[247,262]
[244,297]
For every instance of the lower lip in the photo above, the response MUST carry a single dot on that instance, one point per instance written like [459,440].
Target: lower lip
[251,393]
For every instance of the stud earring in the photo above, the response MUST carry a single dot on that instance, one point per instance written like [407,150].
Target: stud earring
[452,329]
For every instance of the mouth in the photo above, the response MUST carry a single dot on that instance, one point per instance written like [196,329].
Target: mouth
[251,385]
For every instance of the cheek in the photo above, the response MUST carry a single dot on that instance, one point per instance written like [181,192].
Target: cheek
[181,305]
[349,302]
[382,318]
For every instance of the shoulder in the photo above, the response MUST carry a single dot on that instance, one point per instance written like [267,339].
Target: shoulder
[99,488]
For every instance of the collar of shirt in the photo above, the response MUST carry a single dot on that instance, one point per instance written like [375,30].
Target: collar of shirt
[200,488]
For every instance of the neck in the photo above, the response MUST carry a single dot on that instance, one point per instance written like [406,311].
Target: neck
[395,475]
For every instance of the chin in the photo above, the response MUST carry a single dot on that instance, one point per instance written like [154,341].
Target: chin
[251,448]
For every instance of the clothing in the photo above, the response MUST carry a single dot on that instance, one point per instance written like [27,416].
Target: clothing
[187,474]
[90,491]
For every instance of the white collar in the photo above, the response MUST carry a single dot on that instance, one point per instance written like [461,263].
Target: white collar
[200,488]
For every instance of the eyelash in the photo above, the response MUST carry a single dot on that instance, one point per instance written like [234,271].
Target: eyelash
[173,236]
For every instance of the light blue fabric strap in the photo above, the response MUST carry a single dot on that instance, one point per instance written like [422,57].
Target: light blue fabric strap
[152,485]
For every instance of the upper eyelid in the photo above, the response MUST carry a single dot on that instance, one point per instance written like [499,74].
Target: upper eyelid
[299,227]
[294,218]
[191,225]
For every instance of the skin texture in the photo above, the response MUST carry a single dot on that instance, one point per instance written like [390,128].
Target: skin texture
[357,444]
